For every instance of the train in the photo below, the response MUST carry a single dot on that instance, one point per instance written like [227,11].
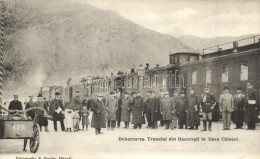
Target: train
[232,64]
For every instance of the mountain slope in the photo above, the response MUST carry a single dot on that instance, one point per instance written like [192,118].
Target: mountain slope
[51,40]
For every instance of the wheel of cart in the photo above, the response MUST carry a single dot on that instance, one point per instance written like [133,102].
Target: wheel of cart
[16,126]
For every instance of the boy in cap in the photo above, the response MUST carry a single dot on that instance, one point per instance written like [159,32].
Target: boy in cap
[207,103]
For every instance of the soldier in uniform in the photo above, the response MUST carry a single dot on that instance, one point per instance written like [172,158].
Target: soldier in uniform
[15,104]
[28,105]
[251,107]
[98,118]
[208,103]
[111,109]
[239,105]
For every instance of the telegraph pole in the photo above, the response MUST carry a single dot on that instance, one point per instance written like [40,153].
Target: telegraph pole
[1,51]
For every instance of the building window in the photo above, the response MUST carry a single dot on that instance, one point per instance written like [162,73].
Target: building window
[155,81]
[244,72]
[225,73]
[193,58]
[208,74]
[164,82]
[194,76]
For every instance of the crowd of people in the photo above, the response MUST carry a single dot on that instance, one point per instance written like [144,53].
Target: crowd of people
[177,112]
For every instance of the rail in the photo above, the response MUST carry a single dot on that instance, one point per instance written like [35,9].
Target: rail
[230,45]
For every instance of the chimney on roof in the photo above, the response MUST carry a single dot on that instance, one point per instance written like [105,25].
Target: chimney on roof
[147,66]
[235,46]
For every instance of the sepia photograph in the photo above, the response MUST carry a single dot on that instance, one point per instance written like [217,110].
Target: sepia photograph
[129,79]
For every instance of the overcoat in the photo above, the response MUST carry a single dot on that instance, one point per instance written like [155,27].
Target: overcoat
[138,110]
[152,109]
[15,105]
[54,105]
[167,107]
[239,102]
[126,106]
[181,110]
[251,115]
[111,109]
[119,109]
[98,117]
[192,110]
[28,105]
[42,121]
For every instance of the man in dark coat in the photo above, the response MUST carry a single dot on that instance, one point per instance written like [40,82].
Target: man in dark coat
[41,119]
[119,110]
[126,107]
[147,109]
[86,102]
[207,103]
[239,104]
[181,109]
[15,104]
[111,111]
[98,118]
[57,106]
[138,111]
[76,103]
[192,110]
[251,107]
[167,109]
[152,110]
[30,104]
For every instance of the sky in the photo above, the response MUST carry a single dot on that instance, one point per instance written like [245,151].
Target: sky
[204,18]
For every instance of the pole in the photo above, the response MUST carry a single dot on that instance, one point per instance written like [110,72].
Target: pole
[1,50]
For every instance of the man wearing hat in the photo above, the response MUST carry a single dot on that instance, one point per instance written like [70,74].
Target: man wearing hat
[15,104]
[239,106]
[28,105]
[41,119]
[208,103]
[152,108]
[138,111]
[251,107]
[98,118]
[111,107]
[167,109]
[58,109]
[126,107]
[181,109]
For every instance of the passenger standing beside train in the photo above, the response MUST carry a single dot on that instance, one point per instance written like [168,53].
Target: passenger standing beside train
[76,104]
[138,111]
[158,101]
[226,106]
[175,99]
[251,107]
[147,108]
[98,118]
[58,114]
[126,107]
[157,113]
[167,109]
[239,105]
[208,103]
[181,109]
[152,110]
[119,109]
[41,119]
[192,110]
[111,109]
[86,102]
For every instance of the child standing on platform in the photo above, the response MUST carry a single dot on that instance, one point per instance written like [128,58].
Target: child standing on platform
[84,117]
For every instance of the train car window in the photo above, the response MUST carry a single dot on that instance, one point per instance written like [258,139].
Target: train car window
[225,73]
[193,58]
[183,58]
[244,72]
[208,74]
[194,76]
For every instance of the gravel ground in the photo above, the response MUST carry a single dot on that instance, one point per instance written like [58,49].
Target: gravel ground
[85,144]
